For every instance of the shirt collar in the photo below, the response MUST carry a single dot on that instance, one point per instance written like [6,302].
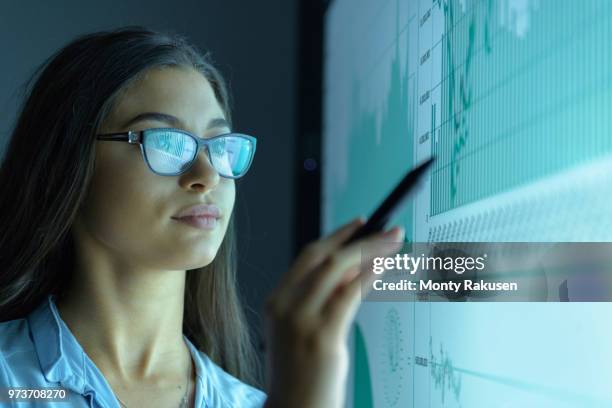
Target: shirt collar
[63,360]
[59,353]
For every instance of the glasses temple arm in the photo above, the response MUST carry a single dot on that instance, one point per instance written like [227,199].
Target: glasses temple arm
[132,137]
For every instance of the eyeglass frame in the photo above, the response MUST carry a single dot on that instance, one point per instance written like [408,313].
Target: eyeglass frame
[137,137]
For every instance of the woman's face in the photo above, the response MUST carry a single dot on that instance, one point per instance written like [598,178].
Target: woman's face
[128,208]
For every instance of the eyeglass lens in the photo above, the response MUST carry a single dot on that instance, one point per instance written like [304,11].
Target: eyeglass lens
[171,152]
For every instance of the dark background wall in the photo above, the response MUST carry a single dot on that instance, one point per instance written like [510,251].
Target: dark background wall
[254,45]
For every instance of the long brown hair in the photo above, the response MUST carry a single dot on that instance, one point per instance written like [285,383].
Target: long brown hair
[48,166]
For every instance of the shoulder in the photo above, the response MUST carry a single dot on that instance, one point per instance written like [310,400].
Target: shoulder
[18,359]
[223,389]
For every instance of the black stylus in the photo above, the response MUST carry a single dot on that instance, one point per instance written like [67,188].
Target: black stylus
[393,203]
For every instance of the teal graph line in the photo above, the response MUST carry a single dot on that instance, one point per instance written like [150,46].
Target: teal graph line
[562,394]
[443,373]
[514,108]
[448,378]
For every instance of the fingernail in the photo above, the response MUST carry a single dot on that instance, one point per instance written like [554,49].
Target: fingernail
[395,232]
[402,233]
[359,220]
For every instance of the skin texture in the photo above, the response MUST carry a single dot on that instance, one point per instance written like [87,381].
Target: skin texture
[126,304]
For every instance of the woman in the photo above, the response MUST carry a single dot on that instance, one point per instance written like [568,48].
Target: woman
[118,247]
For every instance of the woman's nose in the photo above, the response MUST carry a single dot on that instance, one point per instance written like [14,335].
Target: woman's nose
[202,175]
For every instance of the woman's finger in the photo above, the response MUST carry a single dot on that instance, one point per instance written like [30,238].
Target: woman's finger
[342,306]
[312,256]
[319,250]
[326,279]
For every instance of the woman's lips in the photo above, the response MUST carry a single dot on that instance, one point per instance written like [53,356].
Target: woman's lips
[201,222]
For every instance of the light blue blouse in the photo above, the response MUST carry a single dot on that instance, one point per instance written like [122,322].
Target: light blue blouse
[41,351]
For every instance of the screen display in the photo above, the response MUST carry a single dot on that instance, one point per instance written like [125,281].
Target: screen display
[514,98]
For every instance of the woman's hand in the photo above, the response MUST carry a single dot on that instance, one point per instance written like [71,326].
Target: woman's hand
[309,316]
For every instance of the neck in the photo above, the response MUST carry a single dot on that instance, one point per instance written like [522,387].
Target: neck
[128,319]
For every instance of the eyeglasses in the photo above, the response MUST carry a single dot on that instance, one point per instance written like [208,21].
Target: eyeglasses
[171,152]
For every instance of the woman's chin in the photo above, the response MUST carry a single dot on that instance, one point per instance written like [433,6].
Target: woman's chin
[204,258]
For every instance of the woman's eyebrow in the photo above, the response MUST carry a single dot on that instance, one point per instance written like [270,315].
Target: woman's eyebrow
[157,116]
[218,122]
[172,120]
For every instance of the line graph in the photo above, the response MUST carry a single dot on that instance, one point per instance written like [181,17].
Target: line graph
[379,132]
[513,97]
[489,69]
[444,376]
